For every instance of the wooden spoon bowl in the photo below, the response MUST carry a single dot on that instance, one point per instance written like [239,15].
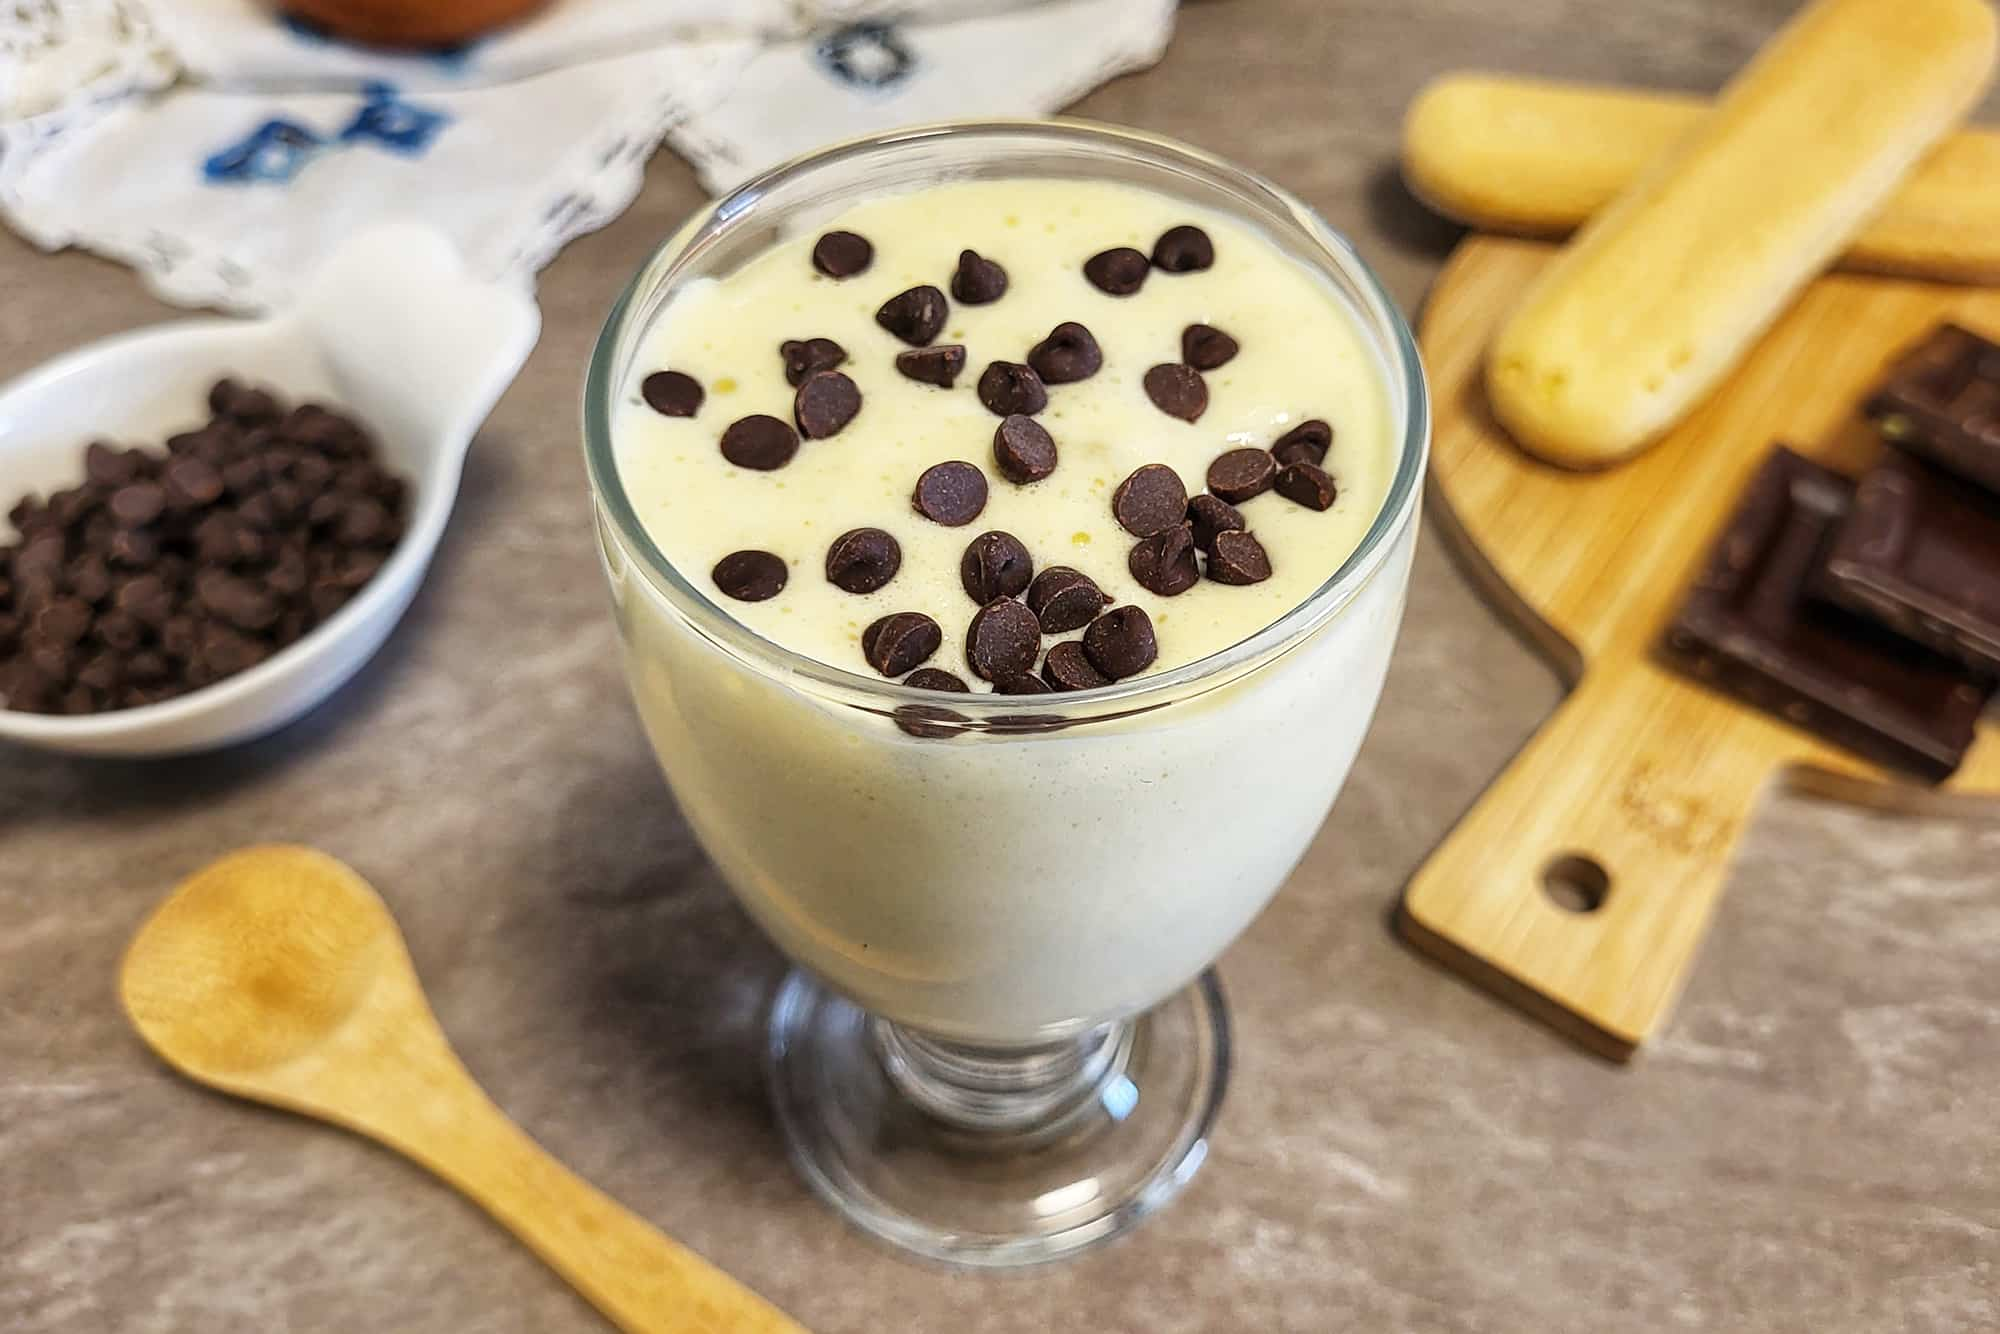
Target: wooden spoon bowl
[277,974]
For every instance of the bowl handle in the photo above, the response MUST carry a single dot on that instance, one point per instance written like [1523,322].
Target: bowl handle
[408,331]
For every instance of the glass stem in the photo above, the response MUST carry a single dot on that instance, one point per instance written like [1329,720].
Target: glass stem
[1009,1091]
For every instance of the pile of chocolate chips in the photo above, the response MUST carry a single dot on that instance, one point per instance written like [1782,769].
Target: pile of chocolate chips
[165,571]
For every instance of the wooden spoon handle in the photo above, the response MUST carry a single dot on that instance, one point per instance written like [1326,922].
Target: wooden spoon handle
[643,1282]
[1631,797]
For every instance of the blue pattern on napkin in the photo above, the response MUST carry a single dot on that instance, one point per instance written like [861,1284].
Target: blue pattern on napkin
[278,150]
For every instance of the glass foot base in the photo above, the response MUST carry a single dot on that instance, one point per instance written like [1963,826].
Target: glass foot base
[996,1158]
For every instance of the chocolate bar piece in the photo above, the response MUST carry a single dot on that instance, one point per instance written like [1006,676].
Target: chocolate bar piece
[1920,553]
[1751,627]
[1942,400]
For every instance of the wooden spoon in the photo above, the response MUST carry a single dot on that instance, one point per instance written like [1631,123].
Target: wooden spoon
[277,974]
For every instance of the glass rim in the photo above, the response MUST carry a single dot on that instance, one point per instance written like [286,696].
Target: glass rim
[884,695]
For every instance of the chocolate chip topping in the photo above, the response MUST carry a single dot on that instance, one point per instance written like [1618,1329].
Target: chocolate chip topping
[978,280]
[1205,347]
[1183,249]
[1120,271]
[803,357]
[862,560]
[1067,667]
[1120,643]
[950,493]
[936,678]
[1305,443]
[1177,390]
[1238,558]
[1070,353]
[192,483]
[1008,387]
[842,254]
[1150,501]
[915,316]
[1209,516]
[671,393]
[995,565]
[1165,563]
[1019,683]
[1307,485]
[760,442]
[825,403]
[1239,474]
[899,641]
[1023,450]
[1064,599]
[940,365]
[1004,637]
[928,720]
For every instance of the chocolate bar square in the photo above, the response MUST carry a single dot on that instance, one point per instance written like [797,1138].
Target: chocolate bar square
[1942,401]
[1751,627]
[1920,553]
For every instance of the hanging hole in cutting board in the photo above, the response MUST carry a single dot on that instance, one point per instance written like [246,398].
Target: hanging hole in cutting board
[1575,883]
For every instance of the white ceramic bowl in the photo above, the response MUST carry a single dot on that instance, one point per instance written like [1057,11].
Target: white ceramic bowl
[392,330]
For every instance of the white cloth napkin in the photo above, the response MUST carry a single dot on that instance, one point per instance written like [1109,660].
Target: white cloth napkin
[224,187]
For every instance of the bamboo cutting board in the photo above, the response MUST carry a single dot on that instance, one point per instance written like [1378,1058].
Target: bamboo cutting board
[1580,883]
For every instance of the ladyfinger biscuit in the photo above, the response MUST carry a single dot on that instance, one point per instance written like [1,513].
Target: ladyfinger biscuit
[1657,297]
[1539,158]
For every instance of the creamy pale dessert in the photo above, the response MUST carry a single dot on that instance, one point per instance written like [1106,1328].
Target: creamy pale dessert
[898,419]
[787,430]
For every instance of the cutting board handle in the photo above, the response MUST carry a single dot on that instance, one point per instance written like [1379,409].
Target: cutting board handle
[1582,880]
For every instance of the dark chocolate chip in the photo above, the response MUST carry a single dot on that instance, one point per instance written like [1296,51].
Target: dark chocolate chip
[915,316]
[825,403]
[941,365]
[928,720]
[134,548]
[1004,637]
[1307,485]
[1183,249]
[191,483]
[102,672]
[1238,558]
[62,623]
[1064,599]
[1023,450]
[1165,562]
[139,504]
[111,467]
[950,493]
[1019,683]
[1209,516]
[671,393]
[1150,501]
[1120,271]
[761,442]
[236,601]
[147,599]
[899,641]
[363,522]
[862,560]
[1009,387]
[1177,390]
[1120,643]
[118,630]
[936,678]
[90,578]
[995,565]
[1205,347]
[1305,443]
[225,651]
[842,254]
[1070,353]
[750,576]
[1067,667]
[1238,474]
[978,280]
[803,357]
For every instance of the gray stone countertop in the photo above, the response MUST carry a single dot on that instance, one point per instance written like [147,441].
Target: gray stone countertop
[1810,1146]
